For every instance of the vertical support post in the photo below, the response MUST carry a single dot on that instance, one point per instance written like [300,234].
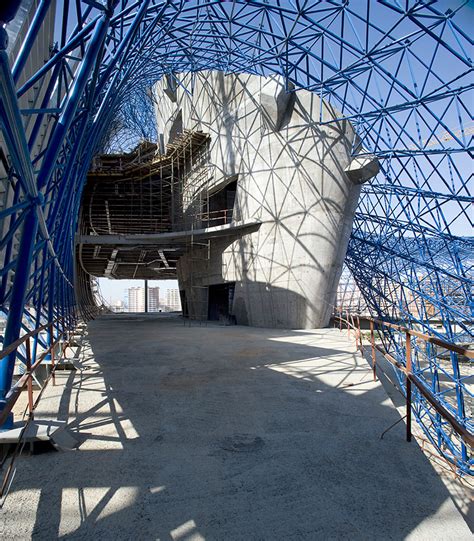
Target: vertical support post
[51,315]
[39,303]
[173,225]
[359,335]
[30,377]
[372,344]
[356,338]
[146,296]
[52,345]
[408,383]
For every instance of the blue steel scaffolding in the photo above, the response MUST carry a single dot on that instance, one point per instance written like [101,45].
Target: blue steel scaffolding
[398,70]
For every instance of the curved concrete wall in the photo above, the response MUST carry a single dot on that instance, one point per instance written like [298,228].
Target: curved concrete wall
[295,174]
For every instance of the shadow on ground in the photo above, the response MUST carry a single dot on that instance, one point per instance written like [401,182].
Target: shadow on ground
[216,433]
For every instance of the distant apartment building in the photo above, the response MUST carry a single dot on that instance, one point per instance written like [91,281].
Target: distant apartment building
[173,301]
[136,299]
[153,299]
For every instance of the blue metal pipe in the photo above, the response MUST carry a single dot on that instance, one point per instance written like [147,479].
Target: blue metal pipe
[59,56]
[46,100]
[19,288]
[70,108]
[39,304]
[13,126]
[18,149]
[27,44]
[51,302]
[8,249]
[13,209]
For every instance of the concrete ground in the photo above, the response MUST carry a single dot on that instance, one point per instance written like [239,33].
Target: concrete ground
[225,433]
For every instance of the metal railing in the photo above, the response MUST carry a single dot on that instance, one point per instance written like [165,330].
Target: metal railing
[353,324]
[216,217]
[26,380]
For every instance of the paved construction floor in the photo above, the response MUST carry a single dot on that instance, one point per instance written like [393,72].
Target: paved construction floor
[225,433]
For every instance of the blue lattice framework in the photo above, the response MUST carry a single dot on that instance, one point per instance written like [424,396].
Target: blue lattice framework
[400,71]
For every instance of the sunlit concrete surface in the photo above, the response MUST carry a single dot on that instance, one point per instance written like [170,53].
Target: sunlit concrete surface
[223,433]
[295,174]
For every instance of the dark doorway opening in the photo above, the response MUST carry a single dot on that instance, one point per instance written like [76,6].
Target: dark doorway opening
[184,303]
[221,297]
[221,205]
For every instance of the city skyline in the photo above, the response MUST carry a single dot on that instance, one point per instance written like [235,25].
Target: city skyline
[136,299]
[116,290]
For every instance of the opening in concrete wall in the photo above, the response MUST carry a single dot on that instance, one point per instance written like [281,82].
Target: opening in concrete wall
[221,297]
[129,295]
[221,204]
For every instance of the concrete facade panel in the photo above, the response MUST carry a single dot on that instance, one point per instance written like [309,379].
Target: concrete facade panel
[290,161]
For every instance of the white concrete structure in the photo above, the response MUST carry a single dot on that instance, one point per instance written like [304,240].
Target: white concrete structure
[136,299]
[295,174]
[117,305]
[173,302]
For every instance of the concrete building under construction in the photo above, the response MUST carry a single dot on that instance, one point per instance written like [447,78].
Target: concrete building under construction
[301,169]
[248,200]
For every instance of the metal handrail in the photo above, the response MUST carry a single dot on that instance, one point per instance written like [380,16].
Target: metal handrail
[17,343]
[426,337]
[26,380]
[216,214]
[461,430]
